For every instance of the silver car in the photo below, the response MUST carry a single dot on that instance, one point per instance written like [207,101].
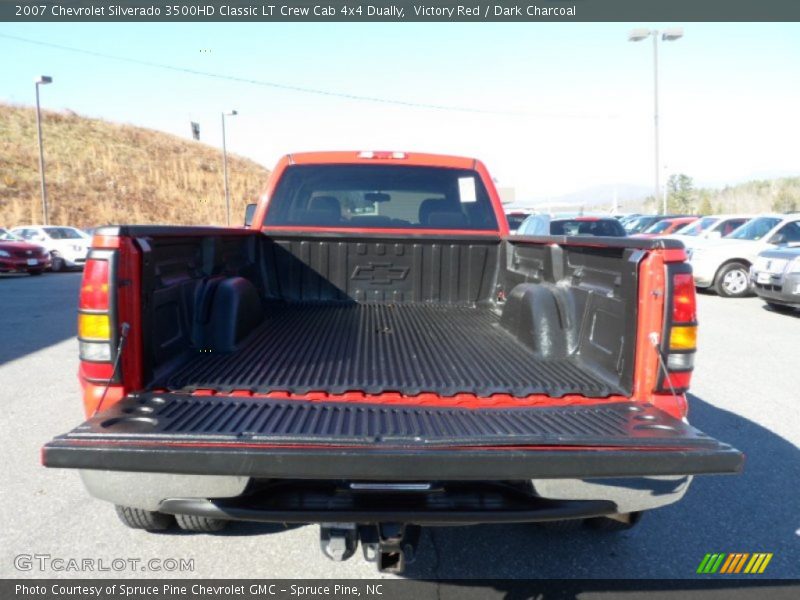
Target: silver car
[776,277]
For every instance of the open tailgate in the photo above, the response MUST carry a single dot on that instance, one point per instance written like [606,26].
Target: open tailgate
[288,438]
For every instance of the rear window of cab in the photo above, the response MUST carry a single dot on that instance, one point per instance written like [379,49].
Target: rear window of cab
[380,196]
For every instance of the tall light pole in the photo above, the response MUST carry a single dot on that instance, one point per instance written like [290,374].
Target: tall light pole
[43,80]
[668,35]
[233,113]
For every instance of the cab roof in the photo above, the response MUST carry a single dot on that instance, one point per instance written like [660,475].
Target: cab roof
[354,157]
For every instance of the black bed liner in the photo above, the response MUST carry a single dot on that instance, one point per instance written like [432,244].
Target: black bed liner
[180,433]
[374,348]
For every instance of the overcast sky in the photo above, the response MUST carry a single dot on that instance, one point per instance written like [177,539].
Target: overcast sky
[575,101]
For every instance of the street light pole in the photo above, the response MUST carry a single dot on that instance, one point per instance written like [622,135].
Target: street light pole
[43,80]
[668,35]
[655,122]
[225,166]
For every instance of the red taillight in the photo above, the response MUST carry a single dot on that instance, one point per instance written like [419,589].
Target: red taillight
[679,380]
[94,288]
[99,372]
[684,302]
[678,347]
[95,319]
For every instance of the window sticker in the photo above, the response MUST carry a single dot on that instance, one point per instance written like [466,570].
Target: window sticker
[466,189]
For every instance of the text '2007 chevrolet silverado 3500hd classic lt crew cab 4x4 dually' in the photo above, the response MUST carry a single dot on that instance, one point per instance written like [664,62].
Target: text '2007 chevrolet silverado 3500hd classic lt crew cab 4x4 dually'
[374,353]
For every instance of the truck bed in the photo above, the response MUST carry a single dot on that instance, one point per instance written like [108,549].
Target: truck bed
[408,348]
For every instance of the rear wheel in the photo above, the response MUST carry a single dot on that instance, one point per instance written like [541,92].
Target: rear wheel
[733,281]
[149,520]
[624,522]
[57,263]
[200,524]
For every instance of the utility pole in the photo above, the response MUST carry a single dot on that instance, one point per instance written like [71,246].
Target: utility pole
[668,35]
[656,167]
[43,80]
[225,166]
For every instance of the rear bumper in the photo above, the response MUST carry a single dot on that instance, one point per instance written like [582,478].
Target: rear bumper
[783,289]
[445,504]
[442,503]
[20,265]
[74,262]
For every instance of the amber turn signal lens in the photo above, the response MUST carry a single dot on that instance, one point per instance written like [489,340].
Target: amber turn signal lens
[683,337]
[93,327]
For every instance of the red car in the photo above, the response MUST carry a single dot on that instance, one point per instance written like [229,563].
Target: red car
[666,227]
[17,256]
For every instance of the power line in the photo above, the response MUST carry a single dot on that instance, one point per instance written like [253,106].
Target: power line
[296,88]
[272,84]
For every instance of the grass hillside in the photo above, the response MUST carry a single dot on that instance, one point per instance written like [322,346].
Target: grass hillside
[104,173]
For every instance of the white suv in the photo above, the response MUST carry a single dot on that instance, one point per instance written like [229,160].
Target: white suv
[724,264]
[68,246]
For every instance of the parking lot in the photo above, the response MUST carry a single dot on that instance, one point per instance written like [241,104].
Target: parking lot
[746,391]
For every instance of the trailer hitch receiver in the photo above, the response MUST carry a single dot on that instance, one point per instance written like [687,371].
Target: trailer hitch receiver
[390,545]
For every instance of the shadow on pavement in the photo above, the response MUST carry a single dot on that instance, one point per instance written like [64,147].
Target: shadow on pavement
[37,312]
[784,311]
[757,511]
[245,528]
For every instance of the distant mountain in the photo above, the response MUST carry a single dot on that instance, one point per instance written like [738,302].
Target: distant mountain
[591,198]
[604,194]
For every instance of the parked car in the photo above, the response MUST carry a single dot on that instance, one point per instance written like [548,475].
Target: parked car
[374,361]
[775,277]
[583,225]
[639,224]
[19,256]
[666,226]
[68,246]
[724,265]
[515,217]
[710,228]
[88,232]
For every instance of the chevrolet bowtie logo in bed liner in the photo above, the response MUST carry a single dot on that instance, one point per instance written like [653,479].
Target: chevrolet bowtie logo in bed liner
[380,273]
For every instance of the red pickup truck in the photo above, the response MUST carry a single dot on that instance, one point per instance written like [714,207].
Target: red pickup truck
[375,352]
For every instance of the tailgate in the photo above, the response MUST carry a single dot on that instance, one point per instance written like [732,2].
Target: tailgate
[286,438]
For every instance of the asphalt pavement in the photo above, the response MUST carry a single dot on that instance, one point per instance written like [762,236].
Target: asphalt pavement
[746,391]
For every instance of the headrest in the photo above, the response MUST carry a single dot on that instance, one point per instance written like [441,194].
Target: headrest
[438,205]
[326,203]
